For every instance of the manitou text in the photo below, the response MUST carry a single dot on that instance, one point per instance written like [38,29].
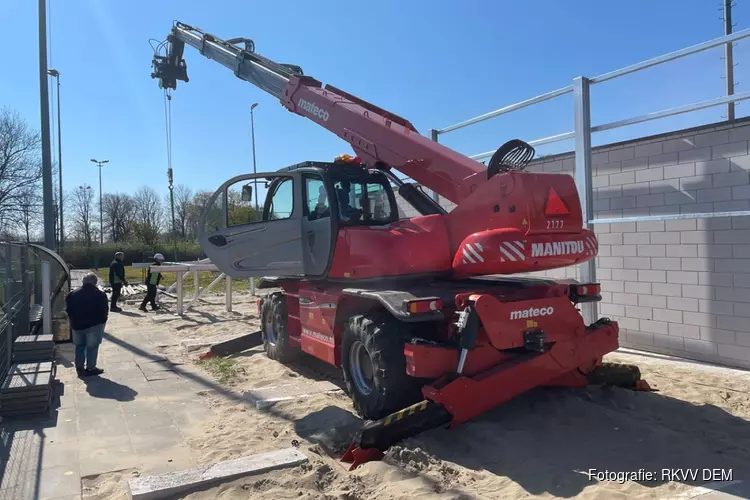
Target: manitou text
[556,248]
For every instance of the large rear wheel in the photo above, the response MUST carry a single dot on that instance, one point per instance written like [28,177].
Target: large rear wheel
[374,366]
[274,328]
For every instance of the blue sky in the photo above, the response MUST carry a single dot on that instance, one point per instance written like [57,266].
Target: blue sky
[434,62]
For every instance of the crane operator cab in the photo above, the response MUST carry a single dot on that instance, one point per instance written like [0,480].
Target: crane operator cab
[286,223]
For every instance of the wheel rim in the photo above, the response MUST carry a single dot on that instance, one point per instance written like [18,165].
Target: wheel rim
[270,330]
[361,368]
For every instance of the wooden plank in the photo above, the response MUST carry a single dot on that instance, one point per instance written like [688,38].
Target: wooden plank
[169,484]
[238,344]
[33,347]
[33,357]
[13,397]
[31,409]
[21,403]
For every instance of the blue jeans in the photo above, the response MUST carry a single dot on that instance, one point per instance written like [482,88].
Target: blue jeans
[87,346]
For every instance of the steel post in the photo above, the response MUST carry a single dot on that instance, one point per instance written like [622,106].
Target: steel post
[49,214]
[46,298]
[59,167]
[728,57]
[101,216]
[9,329]
[583,177]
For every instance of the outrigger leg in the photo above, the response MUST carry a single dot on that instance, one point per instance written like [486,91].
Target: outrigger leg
[454,400]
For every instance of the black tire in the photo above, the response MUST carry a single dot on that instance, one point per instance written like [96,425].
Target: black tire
[379,339]
[275,331]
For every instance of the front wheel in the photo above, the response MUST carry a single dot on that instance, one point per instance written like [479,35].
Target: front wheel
[275,330]
[374,366]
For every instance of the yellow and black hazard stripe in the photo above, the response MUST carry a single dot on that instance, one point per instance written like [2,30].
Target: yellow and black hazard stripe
[402,424]
[411,410]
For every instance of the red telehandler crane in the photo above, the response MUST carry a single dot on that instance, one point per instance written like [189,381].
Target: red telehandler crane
[419,313]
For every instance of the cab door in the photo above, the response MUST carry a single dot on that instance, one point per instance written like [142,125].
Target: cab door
[245,236]
[319,224]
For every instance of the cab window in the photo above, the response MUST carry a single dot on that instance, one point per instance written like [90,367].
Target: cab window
[365,203]
[280,203]
[317,204]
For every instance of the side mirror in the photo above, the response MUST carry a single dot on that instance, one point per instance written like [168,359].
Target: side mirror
[247,192]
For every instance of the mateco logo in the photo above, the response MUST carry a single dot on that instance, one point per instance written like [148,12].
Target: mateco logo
[532,312]
[313,109]
[557,248]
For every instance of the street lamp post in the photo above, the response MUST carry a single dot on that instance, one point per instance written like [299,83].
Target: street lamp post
[56,74]
[101,218]
[255,170]
[88,223]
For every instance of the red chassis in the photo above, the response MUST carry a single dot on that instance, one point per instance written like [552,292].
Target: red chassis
[501,364]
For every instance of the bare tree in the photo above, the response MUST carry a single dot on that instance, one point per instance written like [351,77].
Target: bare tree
[20,161]
[119,215]
[196,208]
[83,207]
[183,197]
[149,215]
[29,212]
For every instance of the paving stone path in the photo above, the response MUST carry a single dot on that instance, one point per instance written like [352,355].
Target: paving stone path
[133,416]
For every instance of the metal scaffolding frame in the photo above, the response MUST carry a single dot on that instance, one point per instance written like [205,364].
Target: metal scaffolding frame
[582,135]
[180,268]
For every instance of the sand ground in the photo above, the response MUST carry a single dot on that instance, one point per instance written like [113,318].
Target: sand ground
[541,444]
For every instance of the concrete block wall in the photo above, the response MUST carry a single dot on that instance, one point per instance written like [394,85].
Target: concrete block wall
[678,287]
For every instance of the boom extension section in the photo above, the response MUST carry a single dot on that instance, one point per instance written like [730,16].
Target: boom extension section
[381,138]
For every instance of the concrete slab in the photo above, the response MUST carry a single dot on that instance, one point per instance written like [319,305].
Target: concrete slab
[45,366]
[59,455]
[27,382]
[195,346]
[100,438]
[171,483]
[171,459]
[153,417]
[59,481]
[268,396]
[152,439]
[94,461]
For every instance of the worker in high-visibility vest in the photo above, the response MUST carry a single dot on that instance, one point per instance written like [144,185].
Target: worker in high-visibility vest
[152,281]
[116,280]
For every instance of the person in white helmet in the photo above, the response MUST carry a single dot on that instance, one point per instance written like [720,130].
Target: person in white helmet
[152,281]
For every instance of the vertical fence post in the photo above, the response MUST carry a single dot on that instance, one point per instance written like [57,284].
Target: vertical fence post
[180,291]
[8,310]
[583,177]
[46,299]
[252,287]
[228,297]
[434,137]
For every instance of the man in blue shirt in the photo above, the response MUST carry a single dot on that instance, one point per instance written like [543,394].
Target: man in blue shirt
[88,311]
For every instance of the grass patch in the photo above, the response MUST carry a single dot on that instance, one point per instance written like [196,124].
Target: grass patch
[136,276]
[224,369]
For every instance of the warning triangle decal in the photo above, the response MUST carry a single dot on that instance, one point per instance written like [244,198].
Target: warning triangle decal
[555,205]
